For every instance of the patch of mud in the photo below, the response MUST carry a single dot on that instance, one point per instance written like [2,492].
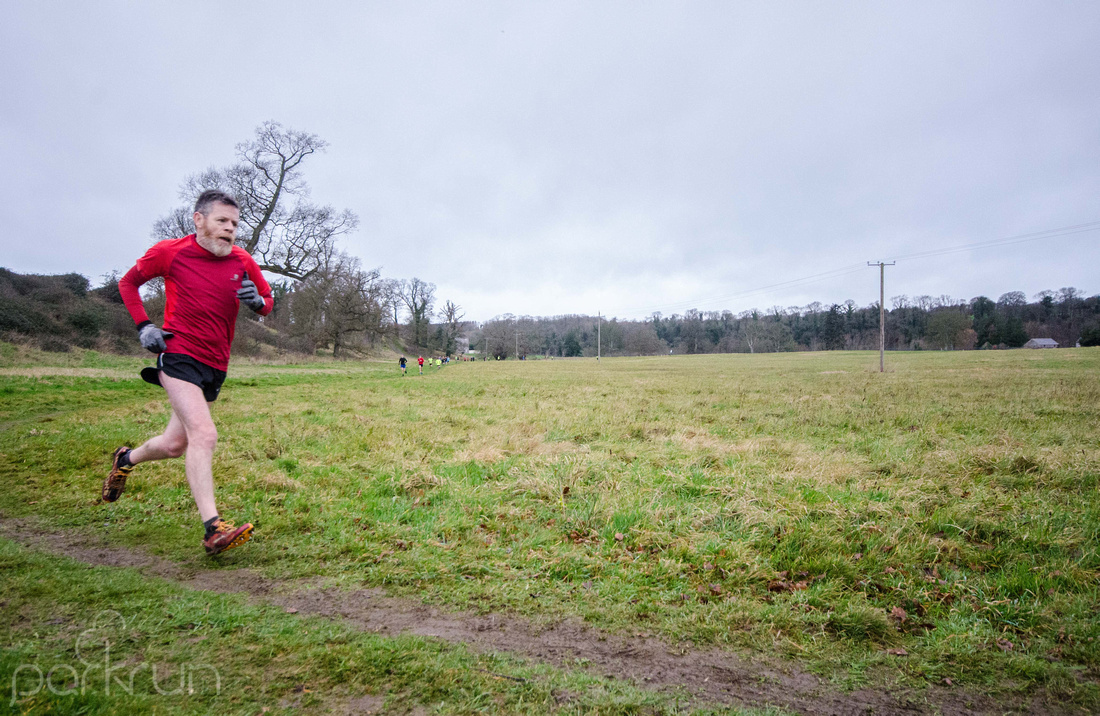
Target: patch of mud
[710,676]
[363,705]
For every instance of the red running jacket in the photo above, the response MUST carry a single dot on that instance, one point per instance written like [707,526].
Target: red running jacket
[201,288]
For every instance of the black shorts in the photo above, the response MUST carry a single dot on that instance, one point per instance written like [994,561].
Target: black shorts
[184,367]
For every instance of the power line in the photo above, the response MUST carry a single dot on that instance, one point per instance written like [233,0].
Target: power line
[1019,239]
[853,268]
[761,289]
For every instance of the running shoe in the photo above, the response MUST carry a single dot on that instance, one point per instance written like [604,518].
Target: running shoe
[115,484]
[226,536]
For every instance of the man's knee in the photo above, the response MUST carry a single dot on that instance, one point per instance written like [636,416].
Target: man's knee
[203,436]
[175,445]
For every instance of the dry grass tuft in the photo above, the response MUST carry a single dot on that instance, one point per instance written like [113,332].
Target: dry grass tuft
[420,479]
[485,455]
[279,482]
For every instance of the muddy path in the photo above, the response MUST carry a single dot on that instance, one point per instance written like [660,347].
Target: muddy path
[708,677]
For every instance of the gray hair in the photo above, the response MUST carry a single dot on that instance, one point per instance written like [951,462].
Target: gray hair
[213,196]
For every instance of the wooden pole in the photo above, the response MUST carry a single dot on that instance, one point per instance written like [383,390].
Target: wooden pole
[881,312]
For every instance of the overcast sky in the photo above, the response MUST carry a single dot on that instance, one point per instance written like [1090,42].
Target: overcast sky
[574,157]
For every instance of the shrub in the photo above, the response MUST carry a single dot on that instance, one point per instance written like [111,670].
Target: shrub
[109,290]
[88,320]
[54,344]
[22,316]
[75,283]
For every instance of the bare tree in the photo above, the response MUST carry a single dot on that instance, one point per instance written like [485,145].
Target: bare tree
[944,301]
[337,302]
[452,319]
[751,331]
[177,223]
[498,334]
[391,290]
[641,339]
[280,227]
[418,297]
[691,332]
[947,329]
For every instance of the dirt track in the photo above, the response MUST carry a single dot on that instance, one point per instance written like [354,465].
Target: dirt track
[709,676]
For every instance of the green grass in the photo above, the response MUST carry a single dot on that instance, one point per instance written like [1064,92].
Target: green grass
[175,651]
[800,504]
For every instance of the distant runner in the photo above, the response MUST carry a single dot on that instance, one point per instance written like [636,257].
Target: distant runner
[403,363]
[206,279]
[420,362]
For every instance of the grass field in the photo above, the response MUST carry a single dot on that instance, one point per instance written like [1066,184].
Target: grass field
[939,523]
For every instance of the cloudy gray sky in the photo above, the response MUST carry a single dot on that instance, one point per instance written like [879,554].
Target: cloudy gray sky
[574,157]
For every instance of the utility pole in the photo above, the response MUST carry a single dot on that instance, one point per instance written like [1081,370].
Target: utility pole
[517,344]
[881,312]
[599,325]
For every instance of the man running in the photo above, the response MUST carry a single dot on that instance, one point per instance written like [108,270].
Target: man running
[402,363]
[420,362]
[206,279]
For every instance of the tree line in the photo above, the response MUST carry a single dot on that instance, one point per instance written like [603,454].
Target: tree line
[919,323]
[345,309]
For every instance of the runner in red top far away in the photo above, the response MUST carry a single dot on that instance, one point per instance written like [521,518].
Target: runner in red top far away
[206,279]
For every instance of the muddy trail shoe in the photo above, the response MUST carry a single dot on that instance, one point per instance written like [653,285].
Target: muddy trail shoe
[115,484]
[226,536]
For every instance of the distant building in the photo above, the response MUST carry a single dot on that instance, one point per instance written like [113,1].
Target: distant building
[1041,343]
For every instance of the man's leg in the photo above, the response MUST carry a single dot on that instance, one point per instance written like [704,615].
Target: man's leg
[192,412]
[171,443]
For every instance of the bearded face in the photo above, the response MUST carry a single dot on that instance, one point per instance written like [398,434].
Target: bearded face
[216,230]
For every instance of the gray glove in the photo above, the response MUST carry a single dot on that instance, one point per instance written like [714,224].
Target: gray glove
[153,339]
[249,296]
